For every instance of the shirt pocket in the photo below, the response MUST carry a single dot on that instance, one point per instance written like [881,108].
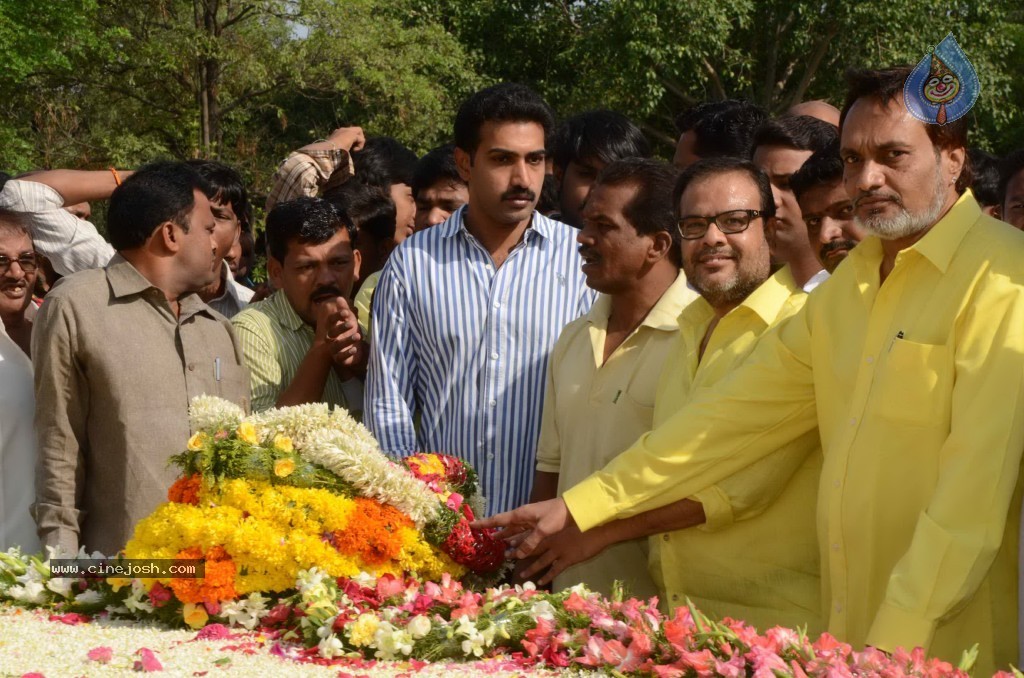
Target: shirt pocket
[915,384]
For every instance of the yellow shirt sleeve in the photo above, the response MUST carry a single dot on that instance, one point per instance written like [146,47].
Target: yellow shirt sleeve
[731,429]
[957,537]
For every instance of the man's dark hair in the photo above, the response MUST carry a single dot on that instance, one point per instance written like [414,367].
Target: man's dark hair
[722,128]
[823,168]
[14,222]
[437,165]
[651,210]
[4,178]
[801,132]
[985,180]
[548,203]
[226,186]
[605,136]
[155,194]
[383,161]
[886,85]
[370,209]
[710,167]
[1009,167]
[307,220]
[505,102]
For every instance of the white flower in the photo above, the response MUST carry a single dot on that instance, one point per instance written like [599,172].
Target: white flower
[32,592]
[542,609]
[327,628]
[134,601]
[392,642]
[88,597]
[418,626]
[61,586]
[245,613]
[365,579]
[330,647]
[212,414]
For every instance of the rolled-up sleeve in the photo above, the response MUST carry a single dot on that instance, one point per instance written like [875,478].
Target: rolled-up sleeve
[71,244]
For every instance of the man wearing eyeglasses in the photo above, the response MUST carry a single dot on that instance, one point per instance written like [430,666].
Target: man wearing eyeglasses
[17,279]
[755,557]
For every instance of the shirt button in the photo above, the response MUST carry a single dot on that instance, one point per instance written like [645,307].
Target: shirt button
[870,359]
[839,608]
[494,356]
[497,305]
[494,403]
[675,596]
[835,547]
[665,537]
[490,456]
[853,421]
[837,484]
[191,367]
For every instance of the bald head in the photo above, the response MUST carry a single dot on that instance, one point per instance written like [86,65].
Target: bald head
[822,110]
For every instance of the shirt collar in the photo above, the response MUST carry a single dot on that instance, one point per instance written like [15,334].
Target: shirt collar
[456,223]
[765,302]
[664,315]
[938,245]
[283,311]
[126,281]
[226,278]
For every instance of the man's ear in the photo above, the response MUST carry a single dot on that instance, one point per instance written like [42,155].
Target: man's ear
[957,158]
[169,234]
[274,271]
[357,261]
[661,246]
[463,161]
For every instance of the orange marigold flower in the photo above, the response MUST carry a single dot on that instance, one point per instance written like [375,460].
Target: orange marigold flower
[185,490]
[372,532]
[218,582]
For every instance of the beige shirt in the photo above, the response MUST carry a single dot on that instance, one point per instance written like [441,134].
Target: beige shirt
[114,373]
[594,411]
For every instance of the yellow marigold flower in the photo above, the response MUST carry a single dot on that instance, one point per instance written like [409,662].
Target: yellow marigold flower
[360,633]
[247,432]
[117,583]
[283,443]
[194,615]
[196,442]
[283,467]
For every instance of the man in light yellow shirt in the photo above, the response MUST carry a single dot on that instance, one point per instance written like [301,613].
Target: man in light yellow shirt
[910,360]
[756,558]
[604,370]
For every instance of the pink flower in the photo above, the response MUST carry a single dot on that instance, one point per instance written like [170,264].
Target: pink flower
[71,618]
[214,632]
[454,501]
[389,586]
[147,661]
[159,595]
[101,654]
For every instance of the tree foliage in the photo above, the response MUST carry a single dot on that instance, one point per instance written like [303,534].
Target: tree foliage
[89,83]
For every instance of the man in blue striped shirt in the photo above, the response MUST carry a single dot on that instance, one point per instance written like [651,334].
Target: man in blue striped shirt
[466,313]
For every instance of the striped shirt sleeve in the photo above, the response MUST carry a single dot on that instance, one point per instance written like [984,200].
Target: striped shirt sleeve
[303,173]
[260,357]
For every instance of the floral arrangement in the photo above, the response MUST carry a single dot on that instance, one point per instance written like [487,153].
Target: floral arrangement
[355,622]
[264,497]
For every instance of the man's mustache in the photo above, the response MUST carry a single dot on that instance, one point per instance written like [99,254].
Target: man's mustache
[520,194]
[832,245]
[327,291]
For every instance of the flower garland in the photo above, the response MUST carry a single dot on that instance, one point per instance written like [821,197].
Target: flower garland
[343,620]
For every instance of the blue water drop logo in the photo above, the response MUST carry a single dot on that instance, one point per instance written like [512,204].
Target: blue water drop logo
[943,86]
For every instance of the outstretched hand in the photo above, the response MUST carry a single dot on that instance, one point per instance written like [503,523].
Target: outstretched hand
[527,526]
[562,550]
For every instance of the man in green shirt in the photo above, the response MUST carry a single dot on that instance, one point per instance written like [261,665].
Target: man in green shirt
[301,342]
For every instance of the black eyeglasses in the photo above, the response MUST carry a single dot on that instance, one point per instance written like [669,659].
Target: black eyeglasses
[27,262]
[734,221]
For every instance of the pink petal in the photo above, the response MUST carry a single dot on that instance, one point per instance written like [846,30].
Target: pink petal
[101,654]
[147,661]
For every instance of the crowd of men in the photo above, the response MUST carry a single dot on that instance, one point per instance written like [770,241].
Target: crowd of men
[781,377]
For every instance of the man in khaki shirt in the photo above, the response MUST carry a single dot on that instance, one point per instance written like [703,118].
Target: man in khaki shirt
[604,369]
[119,352]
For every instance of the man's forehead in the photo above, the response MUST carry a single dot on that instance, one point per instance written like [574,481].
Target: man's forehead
[778,160]
[719,192]
[519,136]
[871,121]
[823,197]
[12,240]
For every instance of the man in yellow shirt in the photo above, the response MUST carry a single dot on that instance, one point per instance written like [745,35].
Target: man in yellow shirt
[910,360]
[604,369]
[756,558]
